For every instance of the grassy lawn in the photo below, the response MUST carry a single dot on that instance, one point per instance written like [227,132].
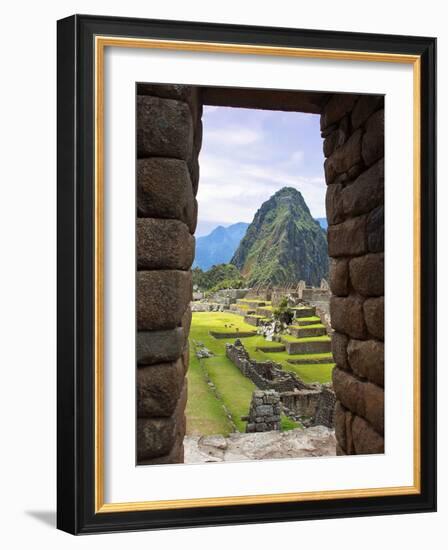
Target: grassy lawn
[313,373]
[205,414]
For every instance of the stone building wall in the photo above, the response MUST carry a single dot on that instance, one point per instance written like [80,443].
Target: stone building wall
[302,404]
[325,408]
[266,375]
[264,412]
[353,128]
[298,399]
[169,134]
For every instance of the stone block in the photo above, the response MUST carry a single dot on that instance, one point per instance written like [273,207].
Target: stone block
[159,346]
[339,343]
[158,388]
[363,398]
[175,456]
[339,425]
[164,244]
[162,298]
[264,410]
[347,316]
[335,140]
[164,190]
[332,128]
[158,437]
[335,109]
[348,238]
[155,437]
[186,321]
[304,347]
[365,193]
[344,158]
[374,316]
[186,358]
[333,203]
[366,440]
[339,277]
[373,139]
[194,169]
[164,128]
[375,230]
[181,92]
[366,359]
[365,106]
[367,274]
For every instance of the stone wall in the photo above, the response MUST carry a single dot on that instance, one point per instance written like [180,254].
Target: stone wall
[266,375]
[169,134]
[353,128]
[324,415]
[264,412]
[301,404]
[313,402]
[168,141]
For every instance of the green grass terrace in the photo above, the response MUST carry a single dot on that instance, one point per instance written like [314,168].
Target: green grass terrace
[217,389]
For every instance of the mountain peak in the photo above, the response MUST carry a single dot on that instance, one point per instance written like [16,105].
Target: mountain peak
[283,244]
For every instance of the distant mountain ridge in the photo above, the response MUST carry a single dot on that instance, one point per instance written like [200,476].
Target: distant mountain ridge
[323,222]
[283,244]
[218,246]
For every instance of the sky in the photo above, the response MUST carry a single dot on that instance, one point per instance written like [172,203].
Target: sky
[248,154]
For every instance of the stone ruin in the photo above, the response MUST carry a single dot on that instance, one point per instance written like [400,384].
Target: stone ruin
[312,404]
[264,412]
[266,375]
[169,134]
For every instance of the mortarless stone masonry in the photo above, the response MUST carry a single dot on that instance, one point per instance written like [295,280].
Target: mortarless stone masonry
[169,135]
[354,168]
[264,412]
[313,402]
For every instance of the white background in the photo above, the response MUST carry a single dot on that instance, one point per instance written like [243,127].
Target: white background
[27,289]
[124,482]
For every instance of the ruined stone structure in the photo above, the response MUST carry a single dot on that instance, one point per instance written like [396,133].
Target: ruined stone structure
[229,296]
[169,135]
[264,374]
[324,415]
[264,412]
[314,402]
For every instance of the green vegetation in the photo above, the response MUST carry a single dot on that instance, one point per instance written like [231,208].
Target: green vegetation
[306,327]
[205,413]
[282,312]
[218,277]
[289,338]
[306,319]
[288,423]
[283,238]
[313,373]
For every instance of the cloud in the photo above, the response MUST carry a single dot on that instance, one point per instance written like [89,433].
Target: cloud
[234,135]
[248,155]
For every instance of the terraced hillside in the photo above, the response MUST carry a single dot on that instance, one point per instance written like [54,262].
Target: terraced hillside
[219,394]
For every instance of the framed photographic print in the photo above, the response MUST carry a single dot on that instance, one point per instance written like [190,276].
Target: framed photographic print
[246,274]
